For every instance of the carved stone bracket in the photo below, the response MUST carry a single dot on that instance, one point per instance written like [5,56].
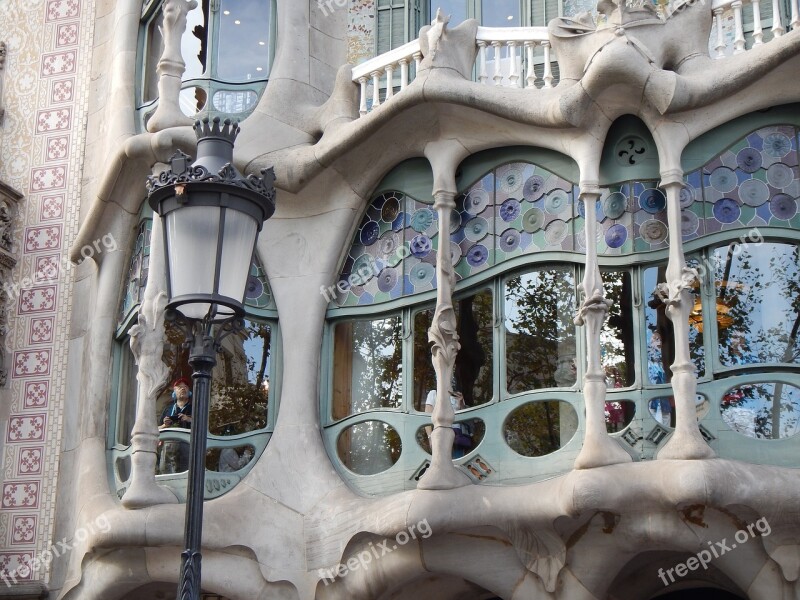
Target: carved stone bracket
[598,448]
[686,442]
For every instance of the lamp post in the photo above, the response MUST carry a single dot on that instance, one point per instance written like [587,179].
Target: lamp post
[211,215]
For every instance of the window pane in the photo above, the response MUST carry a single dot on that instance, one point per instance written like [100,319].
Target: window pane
[243,42]
[616,338]
[369,448]
[500,13]
[240,385]
[367,366]
[153,50]
[240,388]
[619,414]
[540,428]
[468,435]
[758,303]
[764,410]
[457,9]
[540,333]
[194,41]
[473,375]
[660,337]
[128,389]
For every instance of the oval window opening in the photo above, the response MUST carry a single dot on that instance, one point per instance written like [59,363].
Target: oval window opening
[662,409]
[766,411]
[234,101]
[619,414]
[540,428]
[368,448]
[192,100]
[228,460]
[468,434]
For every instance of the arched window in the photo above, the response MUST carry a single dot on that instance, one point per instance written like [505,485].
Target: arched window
[517,244]
[228,48]
[244,391]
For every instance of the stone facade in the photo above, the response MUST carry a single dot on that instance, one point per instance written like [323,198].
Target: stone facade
[294,527]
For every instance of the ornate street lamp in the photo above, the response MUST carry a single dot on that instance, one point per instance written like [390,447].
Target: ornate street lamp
[211,217]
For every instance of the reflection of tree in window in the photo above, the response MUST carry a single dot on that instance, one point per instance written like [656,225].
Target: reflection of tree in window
[760,288]
[540,334]
[534,429]
[763,410]
[660,332]
[473,369]
[367,366]
[616,338]
[239,386]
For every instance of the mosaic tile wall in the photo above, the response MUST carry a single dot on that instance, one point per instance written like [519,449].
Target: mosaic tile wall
[41,141]
[360,31]
[521,208]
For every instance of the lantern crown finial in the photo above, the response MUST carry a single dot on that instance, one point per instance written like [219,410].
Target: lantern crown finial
[210,128]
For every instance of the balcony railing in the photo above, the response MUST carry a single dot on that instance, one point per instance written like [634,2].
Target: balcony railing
[509,56]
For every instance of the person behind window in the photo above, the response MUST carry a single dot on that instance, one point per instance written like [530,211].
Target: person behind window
[462,443]
[178,413]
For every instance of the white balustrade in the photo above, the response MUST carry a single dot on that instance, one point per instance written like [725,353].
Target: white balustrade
[741,10]
[508,56]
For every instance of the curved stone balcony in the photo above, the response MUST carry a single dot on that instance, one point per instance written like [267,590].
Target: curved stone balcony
[523,57]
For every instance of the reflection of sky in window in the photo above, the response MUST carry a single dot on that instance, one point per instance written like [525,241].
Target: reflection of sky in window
[752,416]
[243,48]
[530,282]
[769,308]
[254,349]
[190,44]
[457,9]
[496,13]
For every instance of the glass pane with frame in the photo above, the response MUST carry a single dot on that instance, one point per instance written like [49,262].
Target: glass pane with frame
[758,303]
[473,380]
[367,365]
[539,330]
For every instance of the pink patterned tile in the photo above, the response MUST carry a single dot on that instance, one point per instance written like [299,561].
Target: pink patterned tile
[14,566]
[67,35]
[56,119]
[20,494]
[48,268]
[48,178]
[38,299]
[30,461]
[26,428]
[63,9]
[41,330]
[23,529]
[57,147]
[28,363]
[47,237]
[59,63]
[52,208]
[36,394]
[62,90]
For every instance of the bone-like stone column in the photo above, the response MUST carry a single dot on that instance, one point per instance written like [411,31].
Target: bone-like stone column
[444,158]
[686,442]
[171,67]
[147,344]
[599,449]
